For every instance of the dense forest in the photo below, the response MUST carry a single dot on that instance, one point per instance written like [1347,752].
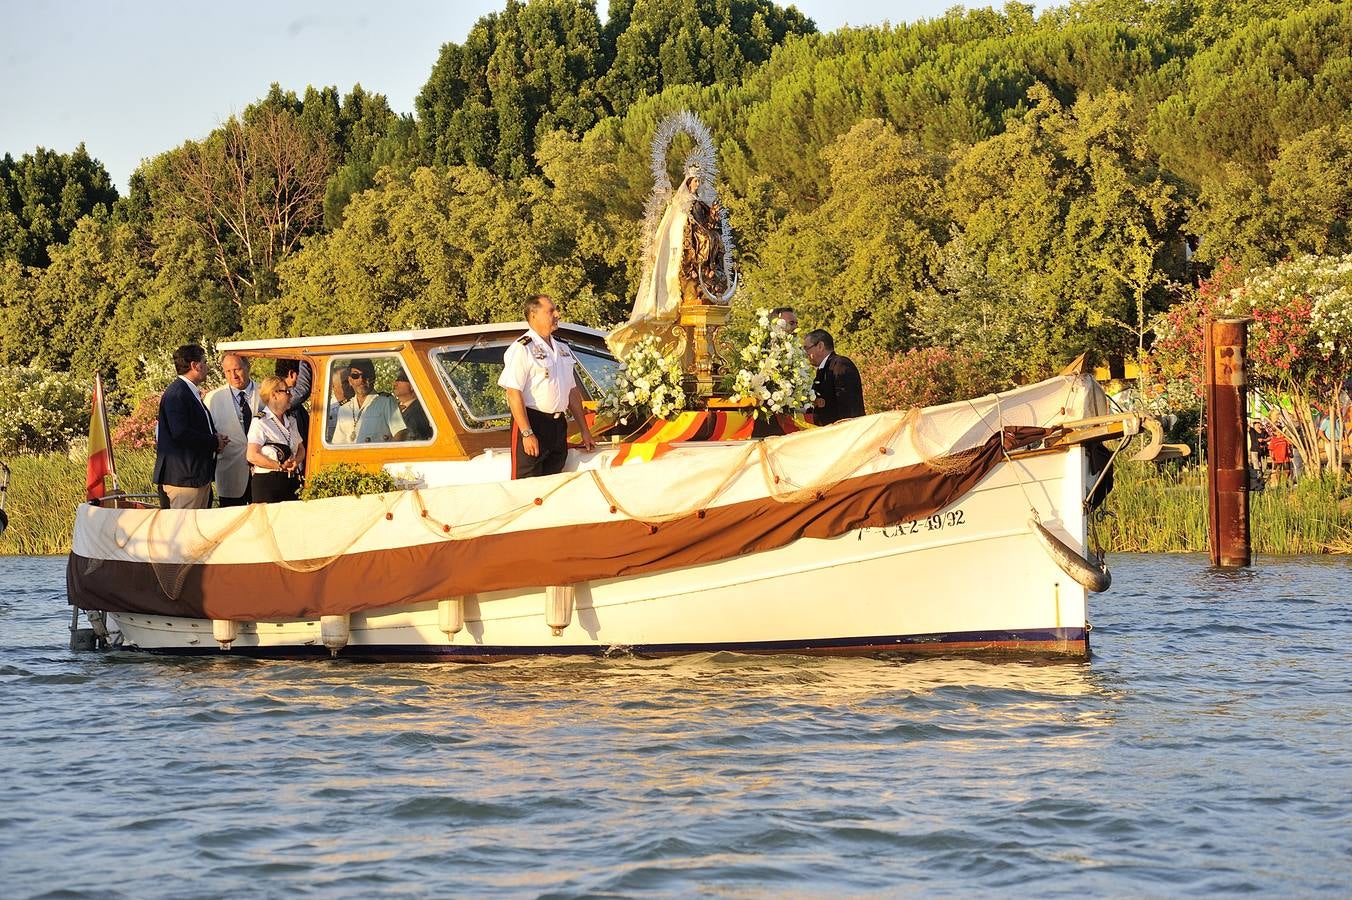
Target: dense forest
[1014,189]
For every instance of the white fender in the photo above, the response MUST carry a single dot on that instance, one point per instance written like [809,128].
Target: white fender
[224,631]
[335,632]
[559,607]
[451,615]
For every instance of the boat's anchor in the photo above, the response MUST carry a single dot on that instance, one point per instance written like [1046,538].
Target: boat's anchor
[1091,576]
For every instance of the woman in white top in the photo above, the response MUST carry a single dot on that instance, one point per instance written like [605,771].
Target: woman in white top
[369,417]
[275,446]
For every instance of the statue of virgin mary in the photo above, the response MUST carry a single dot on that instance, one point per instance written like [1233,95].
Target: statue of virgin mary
[686,244]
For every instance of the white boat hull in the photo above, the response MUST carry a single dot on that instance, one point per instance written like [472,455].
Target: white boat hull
[971,577]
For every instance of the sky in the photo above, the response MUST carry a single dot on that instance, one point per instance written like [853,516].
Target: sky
[134,78]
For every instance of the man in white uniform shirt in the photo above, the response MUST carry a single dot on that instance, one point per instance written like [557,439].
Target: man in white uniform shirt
[538,377]
[233,407]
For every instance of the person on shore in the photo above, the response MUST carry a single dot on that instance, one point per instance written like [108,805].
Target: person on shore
[787,315]
[538,377]
[1258,446]
[839,389]
[233,407]
[369,417]
[186,439]
[419,429]
[1279,449]
[275,445]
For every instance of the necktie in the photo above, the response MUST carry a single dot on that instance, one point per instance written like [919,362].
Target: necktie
[245,414]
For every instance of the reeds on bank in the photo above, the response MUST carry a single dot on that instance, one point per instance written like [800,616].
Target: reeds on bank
[44,490]
[1154,509]
[1163,509]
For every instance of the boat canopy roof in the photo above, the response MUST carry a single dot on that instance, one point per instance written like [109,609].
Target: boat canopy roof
[418,334]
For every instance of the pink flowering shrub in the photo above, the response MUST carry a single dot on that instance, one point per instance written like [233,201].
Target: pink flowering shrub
[925,376]
[1299,341]
[137,430]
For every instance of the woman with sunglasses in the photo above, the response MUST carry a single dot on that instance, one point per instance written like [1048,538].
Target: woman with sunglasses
[368,417]
[275,446]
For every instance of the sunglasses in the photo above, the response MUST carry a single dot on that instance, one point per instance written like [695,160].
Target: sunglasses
[361,375]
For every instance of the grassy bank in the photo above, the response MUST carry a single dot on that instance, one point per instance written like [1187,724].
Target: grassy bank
[1164,510]
[1156,509]
[44,490]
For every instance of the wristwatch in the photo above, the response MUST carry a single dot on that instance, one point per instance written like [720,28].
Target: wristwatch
[529,432]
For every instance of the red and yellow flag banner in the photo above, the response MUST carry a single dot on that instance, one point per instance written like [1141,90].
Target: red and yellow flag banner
[638,453]
[702,425]
[100,447]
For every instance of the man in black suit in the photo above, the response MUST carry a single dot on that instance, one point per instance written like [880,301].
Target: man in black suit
[840,392]
[186,442]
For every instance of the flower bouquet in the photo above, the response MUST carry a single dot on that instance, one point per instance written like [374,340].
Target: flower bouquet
[776,374]
[649,385]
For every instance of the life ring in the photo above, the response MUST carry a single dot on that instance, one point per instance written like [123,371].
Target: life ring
[1091,576]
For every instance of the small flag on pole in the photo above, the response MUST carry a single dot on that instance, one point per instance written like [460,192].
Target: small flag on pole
[100,447]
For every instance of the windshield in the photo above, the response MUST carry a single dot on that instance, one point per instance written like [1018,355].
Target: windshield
[471,378]
[598,371]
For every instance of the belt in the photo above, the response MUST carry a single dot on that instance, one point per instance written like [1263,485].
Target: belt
[557,415]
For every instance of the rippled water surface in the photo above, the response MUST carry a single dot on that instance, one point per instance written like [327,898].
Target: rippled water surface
[1206,748]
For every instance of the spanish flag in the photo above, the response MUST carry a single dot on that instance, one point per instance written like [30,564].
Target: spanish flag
[100,447]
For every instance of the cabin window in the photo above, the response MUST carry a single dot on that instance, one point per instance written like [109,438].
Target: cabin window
[471,378]
[372,401]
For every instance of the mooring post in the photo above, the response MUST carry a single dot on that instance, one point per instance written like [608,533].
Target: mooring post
[1227,458]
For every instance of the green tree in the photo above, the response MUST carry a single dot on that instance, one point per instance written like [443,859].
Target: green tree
[1300,205]
[253,189]
[439,248]
[520,74]
[854,264]
[1264,85]
[671,42]
[1069,206]
[42,195]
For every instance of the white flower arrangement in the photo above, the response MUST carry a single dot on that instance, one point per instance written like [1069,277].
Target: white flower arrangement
[648,385]
[776,374]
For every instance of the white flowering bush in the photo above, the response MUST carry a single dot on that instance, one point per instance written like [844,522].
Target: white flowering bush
[647,385]
[1320,286]
[776,374]
[41,411]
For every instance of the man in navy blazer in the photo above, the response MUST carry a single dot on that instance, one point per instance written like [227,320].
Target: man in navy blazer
[839,389]
[186,441]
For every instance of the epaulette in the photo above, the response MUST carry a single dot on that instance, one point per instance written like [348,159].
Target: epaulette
[524,339]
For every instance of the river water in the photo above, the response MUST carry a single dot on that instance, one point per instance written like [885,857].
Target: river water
[1206,748]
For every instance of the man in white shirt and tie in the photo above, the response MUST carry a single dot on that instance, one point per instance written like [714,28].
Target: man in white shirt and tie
[233,407]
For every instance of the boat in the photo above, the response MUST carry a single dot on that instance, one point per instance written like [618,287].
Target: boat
[722,527]
[961,528]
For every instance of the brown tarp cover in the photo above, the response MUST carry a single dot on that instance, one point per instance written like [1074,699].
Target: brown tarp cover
[567,555]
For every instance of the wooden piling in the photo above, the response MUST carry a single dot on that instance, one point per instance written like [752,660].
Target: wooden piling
[1227,458]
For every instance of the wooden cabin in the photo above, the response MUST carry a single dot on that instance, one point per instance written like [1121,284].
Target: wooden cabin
[453,374]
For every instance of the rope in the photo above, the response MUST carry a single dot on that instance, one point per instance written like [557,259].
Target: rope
[779,486]
[734,472]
